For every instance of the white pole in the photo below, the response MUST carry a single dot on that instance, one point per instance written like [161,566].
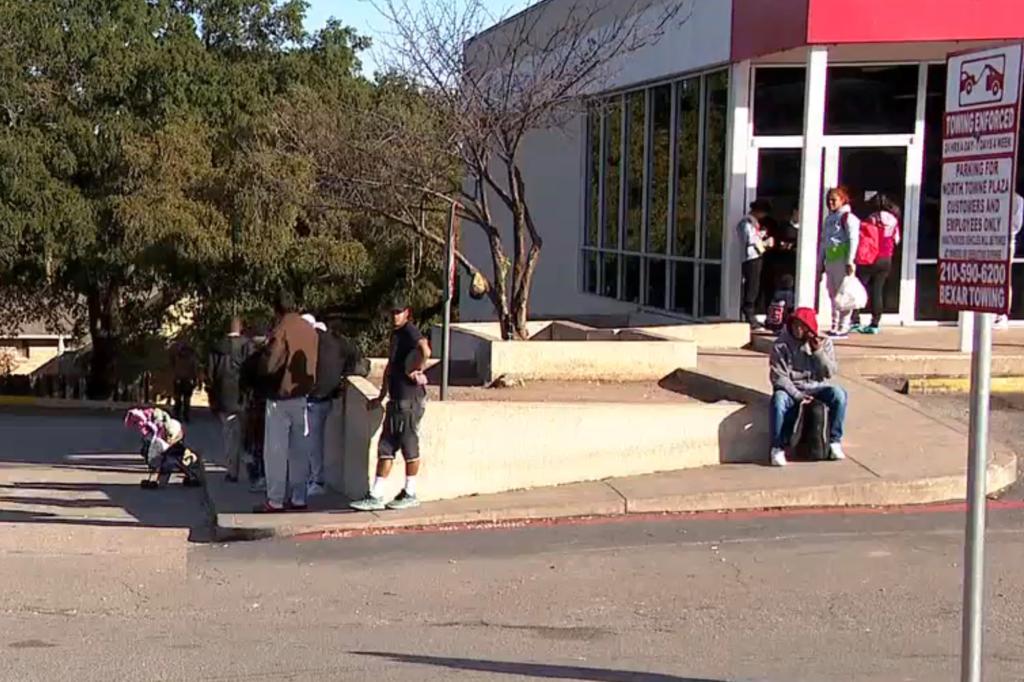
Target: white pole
[965,324]
[810,177]
[737,150]
[974,547]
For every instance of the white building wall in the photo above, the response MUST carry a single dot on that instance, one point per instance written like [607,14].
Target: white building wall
[698,39]
[553,167]
[553,162]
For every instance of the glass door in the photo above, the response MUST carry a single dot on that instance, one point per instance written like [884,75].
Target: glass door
[868,172]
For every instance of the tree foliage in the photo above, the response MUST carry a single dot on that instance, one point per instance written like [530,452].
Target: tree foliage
[132,169]
[462,104]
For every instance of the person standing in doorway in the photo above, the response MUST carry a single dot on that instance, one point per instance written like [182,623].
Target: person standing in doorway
[885,221]
[1003,321]
[754,241]
[839,239]
[224,387]
[404,387]
[185,371]
[290,359]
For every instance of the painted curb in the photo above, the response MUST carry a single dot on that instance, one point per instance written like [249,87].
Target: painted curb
[933,385]
[1002,473]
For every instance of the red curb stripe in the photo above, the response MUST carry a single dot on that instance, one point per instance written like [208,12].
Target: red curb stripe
[738,515]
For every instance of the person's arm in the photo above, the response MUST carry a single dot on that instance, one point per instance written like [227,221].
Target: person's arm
[825,355]
[822,241]
[853,232]
[275,355]
[1018,213]
[779,366]
[211,382]
[376,402]
[752,236]
[422,354]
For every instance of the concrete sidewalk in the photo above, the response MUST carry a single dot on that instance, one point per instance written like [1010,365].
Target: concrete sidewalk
[898,455]
[69,482]
[918,351]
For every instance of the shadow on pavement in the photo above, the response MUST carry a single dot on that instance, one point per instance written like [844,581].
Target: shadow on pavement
[537,670]
[83,469]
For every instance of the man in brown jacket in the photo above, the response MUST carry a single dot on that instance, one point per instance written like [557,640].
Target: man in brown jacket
[290,361]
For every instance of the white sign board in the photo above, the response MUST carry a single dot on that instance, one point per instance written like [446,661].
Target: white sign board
[979,167]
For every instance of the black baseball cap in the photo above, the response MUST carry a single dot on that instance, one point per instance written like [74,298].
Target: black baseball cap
[398,303]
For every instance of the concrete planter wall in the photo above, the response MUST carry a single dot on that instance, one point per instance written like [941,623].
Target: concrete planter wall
[566,351]
[482,447]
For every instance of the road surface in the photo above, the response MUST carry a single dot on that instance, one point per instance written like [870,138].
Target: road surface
[859,598]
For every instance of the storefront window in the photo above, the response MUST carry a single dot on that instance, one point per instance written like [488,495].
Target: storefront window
[655,283]
[661,168]
[871,99]
[711,291]
[593,175]
[664,145]
[612,172]
[687,161]
[779,101]
[610,275]
[682,278]
[590,272]
[716,118]
[631,279]
[928,295]
[931,185]
[635,106]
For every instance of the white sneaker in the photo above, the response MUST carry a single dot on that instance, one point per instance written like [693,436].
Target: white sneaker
[778,457]
[836,450]
[315,490]
[1002,323]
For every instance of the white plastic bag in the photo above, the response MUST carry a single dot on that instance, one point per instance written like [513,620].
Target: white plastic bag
[157,447]
[851,295]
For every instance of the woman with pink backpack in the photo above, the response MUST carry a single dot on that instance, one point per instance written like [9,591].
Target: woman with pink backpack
[879,237]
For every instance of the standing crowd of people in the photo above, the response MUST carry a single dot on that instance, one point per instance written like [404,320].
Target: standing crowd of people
[273,400]
[847,247]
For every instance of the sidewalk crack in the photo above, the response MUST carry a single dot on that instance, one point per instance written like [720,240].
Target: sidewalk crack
[625,500]
[865,467]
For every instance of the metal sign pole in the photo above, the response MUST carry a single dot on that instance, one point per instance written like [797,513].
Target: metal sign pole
[446,325]
[974,548]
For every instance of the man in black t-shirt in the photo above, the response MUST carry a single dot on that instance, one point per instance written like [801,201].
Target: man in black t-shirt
[405,387]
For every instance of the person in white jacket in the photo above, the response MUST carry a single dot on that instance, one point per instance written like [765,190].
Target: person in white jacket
[1002,321]
[840,236]
[753,240]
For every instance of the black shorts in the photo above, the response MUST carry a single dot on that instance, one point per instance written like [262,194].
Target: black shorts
[401,429]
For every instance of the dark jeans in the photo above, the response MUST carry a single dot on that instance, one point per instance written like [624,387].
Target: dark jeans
[183,389]
[873,278]
[785,409]
[255,425]
[751,287]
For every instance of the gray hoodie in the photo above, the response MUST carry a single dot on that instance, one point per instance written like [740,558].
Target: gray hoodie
[796,370]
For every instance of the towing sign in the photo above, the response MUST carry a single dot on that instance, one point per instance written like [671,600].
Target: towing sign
[979,169]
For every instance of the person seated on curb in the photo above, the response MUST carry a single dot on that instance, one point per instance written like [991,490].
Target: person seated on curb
[803,366]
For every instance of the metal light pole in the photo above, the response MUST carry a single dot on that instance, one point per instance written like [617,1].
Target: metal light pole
[449,294]
[977,465]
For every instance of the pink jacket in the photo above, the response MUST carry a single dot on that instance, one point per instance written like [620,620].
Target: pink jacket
[890,235]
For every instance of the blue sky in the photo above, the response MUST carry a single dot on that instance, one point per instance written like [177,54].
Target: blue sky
[361,15]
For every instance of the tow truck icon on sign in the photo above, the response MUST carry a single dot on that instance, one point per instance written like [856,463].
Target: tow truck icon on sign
[982,81]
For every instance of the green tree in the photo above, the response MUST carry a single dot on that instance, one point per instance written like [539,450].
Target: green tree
[131,171]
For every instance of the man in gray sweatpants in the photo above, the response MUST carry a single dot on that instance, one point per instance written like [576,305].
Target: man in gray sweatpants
[291,356]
